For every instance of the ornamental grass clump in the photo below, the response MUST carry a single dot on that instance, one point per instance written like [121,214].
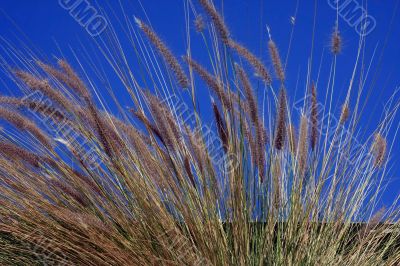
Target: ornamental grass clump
[258,184]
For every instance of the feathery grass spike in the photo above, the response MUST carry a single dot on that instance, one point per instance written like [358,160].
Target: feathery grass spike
[166,53]
[276,60]
[281,124]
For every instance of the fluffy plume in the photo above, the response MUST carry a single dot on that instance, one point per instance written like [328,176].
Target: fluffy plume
[23,123]
[281,130]
[252,143]
[69,191]
[10,101]
[164,121]
[344,115]
[252,109]
[277,180]
[302,152]
[108,137]
[34,106]
[166,53]
[248,91]
[68,77]
[292,138]
[379,149]
[188,170]
[153,128]
[199,23]
[221,126]
[87,180]
[132,133]
[258,66]
[212,82]
[217,20]
[336,42]
[73,79]
[261,141]
[46,110]
[276,60]
[13,151]
[197,148]
[241,50]
[43,86]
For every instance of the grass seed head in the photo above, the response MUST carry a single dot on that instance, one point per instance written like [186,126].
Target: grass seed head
[336,42]
[171,60]
[276,60]
[379,150]
[281,127]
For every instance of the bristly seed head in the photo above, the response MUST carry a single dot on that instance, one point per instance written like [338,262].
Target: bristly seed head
[199,23]
[336,42]
[379,149]
[212,82]
[217,20]
[303,146]
[35,83]
[256,63]
[23,123]
[188,169]
[248,91]
[172,62]
[67,76]
[344,114]
[13,151]
[276,60]
[292,138]
[221,126]
[280,133]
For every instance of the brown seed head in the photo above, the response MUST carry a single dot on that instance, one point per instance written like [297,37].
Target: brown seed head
[261,140]
[303,146]
[43,86]
[280,132]
[164,51]
[13,151]
[10,101]
[336,42]
[109,138]
[212,82]
[188,169]
[292,138]
[222,130]
[217,20]
[258,66]
[276,60]
[67,76]
[344,114]
[164,121]
[199,23]
[379,149]
[153,128]
[23,123]
[69,191]
[248,91]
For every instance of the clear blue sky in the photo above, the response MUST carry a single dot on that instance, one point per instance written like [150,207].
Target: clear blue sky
[53,31]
